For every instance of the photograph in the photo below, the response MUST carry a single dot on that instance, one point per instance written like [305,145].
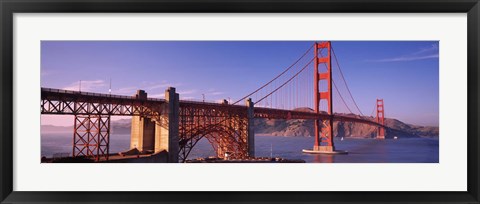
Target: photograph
[239,101]
[267,101]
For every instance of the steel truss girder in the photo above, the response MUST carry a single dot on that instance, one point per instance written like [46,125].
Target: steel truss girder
[81,105]
[223,126]
[91,136]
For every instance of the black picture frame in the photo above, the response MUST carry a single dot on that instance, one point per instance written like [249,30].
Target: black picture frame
[10,7]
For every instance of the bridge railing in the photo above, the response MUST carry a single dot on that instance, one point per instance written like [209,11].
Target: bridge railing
[207,102]
[95,94]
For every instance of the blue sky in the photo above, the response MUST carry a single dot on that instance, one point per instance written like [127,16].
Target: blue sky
[404,73]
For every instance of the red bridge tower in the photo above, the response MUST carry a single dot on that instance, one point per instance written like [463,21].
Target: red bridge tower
[323,132]
[380,119]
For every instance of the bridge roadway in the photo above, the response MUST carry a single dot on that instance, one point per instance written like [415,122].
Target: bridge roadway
[65,102]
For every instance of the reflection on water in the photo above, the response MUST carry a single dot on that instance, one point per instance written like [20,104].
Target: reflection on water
[415,150]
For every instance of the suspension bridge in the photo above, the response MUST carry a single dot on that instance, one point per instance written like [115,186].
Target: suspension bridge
[307,89]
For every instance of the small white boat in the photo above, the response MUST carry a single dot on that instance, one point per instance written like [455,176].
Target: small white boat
[395,137]
[341,139]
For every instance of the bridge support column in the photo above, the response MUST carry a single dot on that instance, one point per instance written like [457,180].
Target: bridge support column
[161,133]
[142,134]
[142,130]
[250,130]
[166,129]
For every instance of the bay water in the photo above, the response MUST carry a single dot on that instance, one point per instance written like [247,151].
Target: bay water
[402,150]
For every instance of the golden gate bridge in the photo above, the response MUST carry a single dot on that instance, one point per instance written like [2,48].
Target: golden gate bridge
[175,126]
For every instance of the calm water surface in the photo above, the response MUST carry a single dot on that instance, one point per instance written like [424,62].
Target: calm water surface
[415,150]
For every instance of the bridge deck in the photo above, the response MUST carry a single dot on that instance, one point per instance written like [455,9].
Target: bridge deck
[65,102]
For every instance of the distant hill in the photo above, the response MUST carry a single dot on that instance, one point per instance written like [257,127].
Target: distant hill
[300,127]
[52,128]
[121,126]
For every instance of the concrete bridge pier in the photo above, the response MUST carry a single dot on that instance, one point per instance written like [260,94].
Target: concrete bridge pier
[142,129]
[166,129]
[160,134]
[142,134]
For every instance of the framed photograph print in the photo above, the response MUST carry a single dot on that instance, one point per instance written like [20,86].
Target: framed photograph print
[264,101]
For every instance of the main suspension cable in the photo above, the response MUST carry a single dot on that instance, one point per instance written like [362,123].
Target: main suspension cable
[304,54]
[286,81]
[348,89]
